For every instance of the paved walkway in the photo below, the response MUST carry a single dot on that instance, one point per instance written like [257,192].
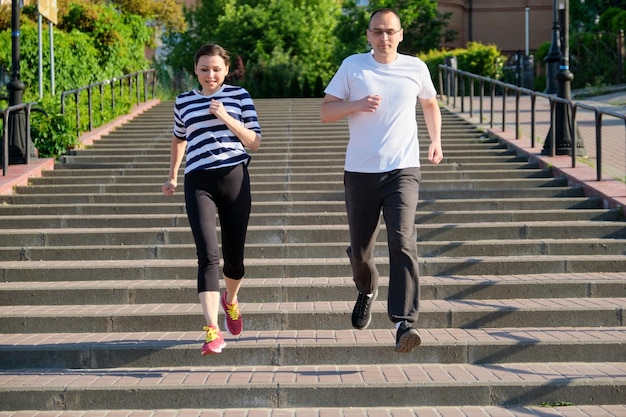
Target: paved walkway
[612,187]
[19,174]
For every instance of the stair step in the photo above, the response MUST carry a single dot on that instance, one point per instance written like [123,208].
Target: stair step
[334,315]
[335,386]
[551,408]
[284,196]
[457,184]
[302,347]
[282,177]
[513,205]
[287,234]
[306,289]
[279,219]
[330,267]
[283,168]
[525,247]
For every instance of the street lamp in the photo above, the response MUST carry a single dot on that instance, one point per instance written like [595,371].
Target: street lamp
[552,59]
[17,119]
[562,128]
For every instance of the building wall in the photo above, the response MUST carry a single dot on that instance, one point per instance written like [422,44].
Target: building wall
[500,22]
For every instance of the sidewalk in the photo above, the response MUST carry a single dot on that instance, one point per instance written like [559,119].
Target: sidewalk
[19,174]
[612,188]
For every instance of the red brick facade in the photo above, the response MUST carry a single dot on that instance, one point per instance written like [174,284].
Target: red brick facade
[500,22]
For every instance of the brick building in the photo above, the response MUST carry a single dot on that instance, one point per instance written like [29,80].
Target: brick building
[500,22]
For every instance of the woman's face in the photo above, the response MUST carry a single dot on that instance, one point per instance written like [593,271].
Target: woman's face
[211,72]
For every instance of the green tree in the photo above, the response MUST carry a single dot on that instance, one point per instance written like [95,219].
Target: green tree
[425,28]
[351,31]
[119,38]
[274,38]
[76,59]
[167,15]
[585,14]
[93,42]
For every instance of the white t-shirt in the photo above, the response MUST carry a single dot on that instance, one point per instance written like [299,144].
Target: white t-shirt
[386,139]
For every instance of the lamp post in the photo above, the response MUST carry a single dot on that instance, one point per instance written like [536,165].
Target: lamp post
[17,119]
[528,62]
[552,59]
[562,129]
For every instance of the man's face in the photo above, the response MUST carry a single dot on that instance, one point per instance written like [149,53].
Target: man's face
[385,33]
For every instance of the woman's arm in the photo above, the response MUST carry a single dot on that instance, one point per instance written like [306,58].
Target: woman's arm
[248,137]
[177,151]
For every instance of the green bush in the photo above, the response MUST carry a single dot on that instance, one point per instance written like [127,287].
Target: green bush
[52,134]
[92,43]
[477,58]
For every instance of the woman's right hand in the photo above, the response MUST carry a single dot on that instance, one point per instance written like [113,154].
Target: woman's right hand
[169,187]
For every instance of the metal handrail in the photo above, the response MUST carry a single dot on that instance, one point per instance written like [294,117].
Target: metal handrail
[6,113]
[448,83]
[148,77]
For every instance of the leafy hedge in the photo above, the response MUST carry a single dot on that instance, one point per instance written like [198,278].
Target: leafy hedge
[477,58]
[93,43]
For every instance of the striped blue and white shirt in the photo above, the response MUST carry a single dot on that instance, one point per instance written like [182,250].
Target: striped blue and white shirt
[210,144]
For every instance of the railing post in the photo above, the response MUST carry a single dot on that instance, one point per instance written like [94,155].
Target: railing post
[517,121]
[533,117]
[5,142]
[101,89]
[137,88]
[493,94]
[145,86]
[572,109]
[471,102]
[598,115]
[89,107]
[504,94]
[482,96]
[77,101]
[462,93]
[113,94]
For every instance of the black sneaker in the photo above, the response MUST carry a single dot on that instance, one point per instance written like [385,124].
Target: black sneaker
[362,312]
[407,338]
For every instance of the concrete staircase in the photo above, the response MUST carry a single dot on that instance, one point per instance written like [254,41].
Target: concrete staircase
[523,287]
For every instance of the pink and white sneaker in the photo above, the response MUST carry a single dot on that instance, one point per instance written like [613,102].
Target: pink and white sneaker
[233,321]
[214,341]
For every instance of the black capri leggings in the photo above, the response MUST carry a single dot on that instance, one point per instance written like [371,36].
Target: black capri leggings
[223,192]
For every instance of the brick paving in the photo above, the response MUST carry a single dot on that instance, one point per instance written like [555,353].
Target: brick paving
[577,374]
[433,337]
[469,411]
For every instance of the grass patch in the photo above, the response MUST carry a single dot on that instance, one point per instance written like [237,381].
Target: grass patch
[557,404]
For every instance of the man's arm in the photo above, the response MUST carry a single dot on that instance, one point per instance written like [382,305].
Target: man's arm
[334,108]
[432,117]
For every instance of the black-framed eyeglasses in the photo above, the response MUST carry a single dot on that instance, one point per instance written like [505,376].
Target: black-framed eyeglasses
[380,32]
